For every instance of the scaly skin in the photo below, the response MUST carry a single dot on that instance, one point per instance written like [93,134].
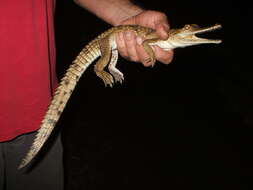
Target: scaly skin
[105,46]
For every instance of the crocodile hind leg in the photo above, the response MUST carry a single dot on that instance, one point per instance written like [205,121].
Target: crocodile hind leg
[105,49]
[118,76]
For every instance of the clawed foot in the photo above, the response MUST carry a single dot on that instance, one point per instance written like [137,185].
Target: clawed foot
[150,61]
[106,77]
[118,76]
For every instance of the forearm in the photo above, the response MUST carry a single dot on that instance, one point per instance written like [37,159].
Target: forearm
[111,11]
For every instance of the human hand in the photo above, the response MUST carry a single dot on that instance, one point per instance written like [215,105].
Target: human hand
[129,45]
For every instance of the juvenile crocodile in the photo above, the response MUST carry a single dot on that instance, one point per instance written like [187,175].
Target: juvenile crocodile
[105,46]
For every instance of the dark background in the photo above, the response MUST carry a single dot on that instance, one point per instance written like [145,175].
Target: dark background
[187,125]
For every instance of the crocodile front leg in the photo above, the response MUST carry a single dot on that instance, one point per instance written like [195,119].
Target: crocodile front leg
[105,50]
[149,50]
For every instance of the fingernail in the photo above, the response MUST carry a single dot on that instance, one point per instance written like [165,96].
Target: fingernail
[139,40]
[166,30]
[128,35]
[166,27]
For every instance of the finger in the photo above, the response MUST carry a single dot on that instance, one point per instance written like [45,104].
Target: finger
[121,46]
[130,41]
[163,56]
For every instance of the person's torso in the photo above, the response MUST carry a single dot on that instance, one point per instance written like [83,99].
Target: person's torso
[27,59]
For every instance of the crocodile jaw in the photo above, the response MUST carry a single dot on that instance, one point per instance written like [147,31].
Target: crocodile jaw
[186,36]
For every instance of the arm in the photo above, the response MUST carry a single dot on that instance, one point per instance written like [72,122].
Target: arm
[112,11]
[119,12]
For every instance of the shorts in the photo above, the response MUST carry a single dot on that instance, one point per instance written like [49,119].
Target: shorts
[45,172]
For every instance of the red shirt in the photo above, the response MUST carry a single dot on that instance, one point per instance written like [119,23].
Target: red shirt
[27,64]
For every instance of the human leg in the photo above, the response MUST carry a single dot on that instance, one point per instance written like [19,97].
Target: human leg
[47,173]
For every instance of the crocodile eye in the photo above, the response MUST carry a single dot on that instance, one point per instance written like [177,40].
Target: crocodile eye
[187,26]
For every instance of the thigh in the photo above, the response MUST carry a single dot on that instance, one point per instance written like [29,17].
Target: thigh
[47,173]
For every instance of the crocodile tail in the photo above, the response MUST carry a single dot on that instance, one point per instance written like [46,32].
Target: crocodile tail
[61,97]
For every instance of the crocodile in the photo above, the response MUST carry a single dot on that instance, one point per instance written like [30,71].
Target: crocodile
[105,46]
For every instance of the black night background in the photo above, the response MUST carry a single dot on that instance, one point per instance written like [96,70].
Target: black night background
[187,125]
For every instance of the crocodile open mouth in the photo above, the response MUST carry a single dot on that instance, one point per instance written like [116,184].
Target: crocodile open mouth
[197,30]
